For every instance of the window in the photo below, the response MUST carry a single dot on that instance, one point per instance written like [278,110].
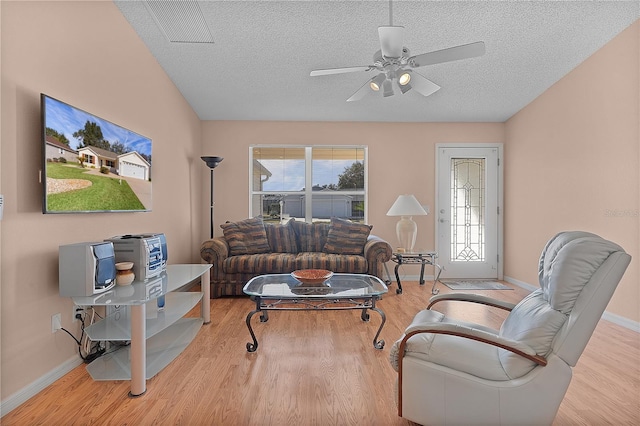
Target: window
[308,183]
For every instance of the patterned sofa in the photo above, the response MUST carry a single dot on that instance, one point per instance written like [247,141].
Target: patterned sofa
[252,247]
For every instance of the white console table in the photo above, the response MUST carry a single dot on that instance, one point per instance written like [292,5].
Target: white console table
[157,336]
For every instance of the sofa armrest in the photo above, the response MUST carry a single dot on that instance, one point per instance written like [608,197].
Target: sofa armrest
[215,251]
[377,252]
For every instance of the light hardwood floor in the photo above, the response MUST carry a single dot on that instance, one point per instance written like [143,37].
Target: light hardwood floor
[317,368]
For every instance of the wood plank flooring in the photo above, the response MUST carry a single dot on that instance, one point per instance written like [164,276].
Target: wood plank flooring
[317,368]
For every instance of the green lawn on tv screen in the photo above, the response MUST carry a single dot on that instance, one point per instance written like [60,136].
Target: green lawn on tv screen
[105,193]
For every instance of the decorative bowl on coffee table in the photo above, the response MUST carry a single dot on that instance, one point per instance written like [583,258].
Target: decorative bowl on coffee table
[312,276]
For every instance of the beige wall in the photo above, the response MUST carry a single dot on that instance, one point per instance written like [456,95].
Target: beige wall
[401,161]
[572,161]
[86,54]
[571,156]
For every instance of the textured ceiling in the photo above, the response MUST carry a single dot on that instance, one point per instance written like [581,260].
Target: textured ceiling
[257,67]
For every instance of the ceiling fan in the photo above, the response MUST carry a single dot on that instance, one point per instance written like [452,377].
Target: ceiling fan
[396,66]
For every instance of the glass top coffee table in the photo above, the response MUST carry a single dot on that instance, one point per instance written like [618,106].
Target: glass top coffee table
[281,292]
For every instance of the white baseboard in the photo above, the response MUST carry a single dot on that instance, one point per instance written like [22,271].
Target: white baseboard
[520,284]
[14,401]
[622,321]
[616,319]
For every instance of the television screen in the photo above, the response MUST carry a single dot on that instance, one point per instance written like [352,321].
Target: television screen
[91,164]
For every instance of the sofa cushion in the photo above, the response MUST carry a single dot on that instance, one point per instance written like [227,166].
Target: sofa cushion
[339,263]
[346,237]
[266,263]
[311,236]
[246,237]
[282,238]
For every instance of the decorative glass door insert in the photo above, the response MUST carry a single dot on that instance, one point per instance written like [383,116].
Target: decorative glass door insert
[468,226]
[467,209]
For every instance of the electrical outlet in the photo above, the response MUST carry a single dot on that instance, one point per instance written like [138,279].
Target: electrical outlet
[56,322]
[75,310]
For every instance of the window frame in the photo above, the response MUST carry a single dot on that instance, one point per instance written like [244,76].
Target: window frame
[308,187]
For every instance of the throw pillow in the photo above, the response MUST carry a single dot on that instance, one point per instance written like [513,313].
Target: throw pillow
[346,237]
[246,237]
[311,236]
[282,238]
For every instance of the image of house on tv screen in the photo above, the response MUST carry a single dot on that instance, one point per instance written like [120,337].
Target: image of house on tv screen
[92,165]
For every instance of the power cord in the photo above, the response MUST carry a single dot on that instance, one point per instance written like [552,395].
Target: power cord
[86,350]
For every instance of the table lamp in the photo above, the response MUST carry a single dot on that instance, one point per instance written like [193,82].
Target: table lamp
[406,206]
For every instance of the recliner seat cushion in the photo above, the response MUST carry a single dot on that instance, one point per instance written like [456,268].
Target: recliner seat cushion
[470,356]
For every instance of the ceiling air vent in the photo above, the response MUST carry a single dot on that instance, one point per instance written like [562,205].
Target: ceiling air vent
[180,21]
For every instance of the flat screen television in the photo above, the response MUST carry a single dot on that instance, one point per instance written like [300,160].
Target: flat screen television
[90,164]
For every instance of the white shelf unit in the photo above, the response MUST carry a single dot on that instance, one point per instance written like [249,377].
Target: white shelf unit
[117,326]
[162,348]
[167,335]
[160,335]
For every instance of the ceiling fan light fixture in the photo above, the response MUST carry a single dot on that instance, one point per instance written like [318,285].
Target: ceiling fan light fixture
[404,78]
[377,81]
[387,88]
[405,88]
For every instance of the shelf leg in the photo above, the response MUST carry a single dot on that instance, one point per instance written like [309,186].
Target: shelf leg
[205,286]
[138,351]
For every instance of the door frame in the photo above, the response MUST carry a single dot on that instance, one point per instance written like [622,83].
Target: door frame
[500,231]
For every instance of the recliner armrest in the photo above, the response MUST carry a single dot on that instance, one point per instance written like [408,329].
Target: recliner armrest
[474,298]
[461,331]
[514,346]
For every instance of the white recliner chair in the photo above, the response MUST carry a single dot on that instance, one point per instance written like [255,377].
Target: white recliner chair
[457,373]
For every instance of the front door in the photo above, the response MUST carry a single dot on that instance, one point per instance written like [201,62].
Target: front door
[468,207]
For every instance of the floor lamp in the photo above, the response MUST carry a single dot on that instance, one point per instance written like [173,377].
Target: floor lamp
[212,162]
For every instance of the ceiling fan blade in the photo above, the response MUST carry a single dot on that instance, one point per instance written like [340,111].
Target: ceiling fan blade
[464,51]
[361,93]
[330,71]
[423,85]
[391,39]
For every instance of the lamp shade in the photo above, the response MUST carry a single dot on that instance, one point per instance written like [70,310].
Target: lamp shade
[212,162]
[406,229]
[406,205]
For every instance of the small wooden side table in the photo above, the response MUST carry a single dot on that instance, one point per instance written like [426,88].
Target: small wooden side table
[417,258]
